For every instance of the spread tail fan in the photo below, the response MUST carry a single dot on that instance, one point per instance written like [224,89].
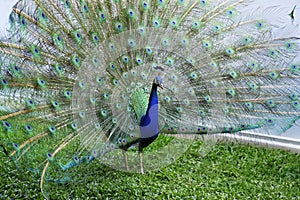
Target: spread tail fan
[80,79]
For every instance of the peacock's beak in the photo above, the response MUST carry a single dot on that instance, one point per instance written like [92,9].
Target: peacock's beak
[161,86]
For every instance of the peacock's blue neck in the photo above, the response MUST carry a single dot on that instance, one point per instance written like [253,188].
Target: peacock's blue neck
[153,99]
[149,122]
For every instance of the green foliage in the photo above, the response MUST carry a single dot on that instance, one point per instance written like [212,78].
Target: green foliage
[229,171]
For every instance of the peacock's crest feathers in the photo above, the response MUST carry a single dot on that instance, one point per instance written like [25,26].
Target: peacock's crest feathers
[76,76]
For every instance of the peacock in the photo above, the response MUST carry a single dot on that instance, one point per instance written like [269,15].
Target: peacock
[82,78]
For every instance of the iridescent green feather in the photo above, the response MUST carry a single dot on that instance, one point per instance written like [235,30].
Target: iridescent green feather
[139,102]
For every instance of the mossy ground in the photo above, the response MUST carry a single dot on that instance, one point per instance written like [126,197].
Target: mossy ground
[228,171]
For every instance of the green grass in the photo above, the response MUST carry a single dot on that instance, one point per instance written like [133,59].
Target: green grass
[229,171]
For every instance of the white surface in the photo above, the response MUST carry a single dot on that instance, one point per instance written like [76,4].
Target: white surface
[284,8]
[5,8]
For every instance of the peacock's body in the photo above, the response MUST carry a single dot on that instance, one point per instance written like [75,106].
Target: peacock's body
[76,77]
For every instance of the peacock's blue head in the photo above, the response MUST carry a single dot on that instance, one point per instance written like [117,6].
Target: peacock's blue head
[158,82]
